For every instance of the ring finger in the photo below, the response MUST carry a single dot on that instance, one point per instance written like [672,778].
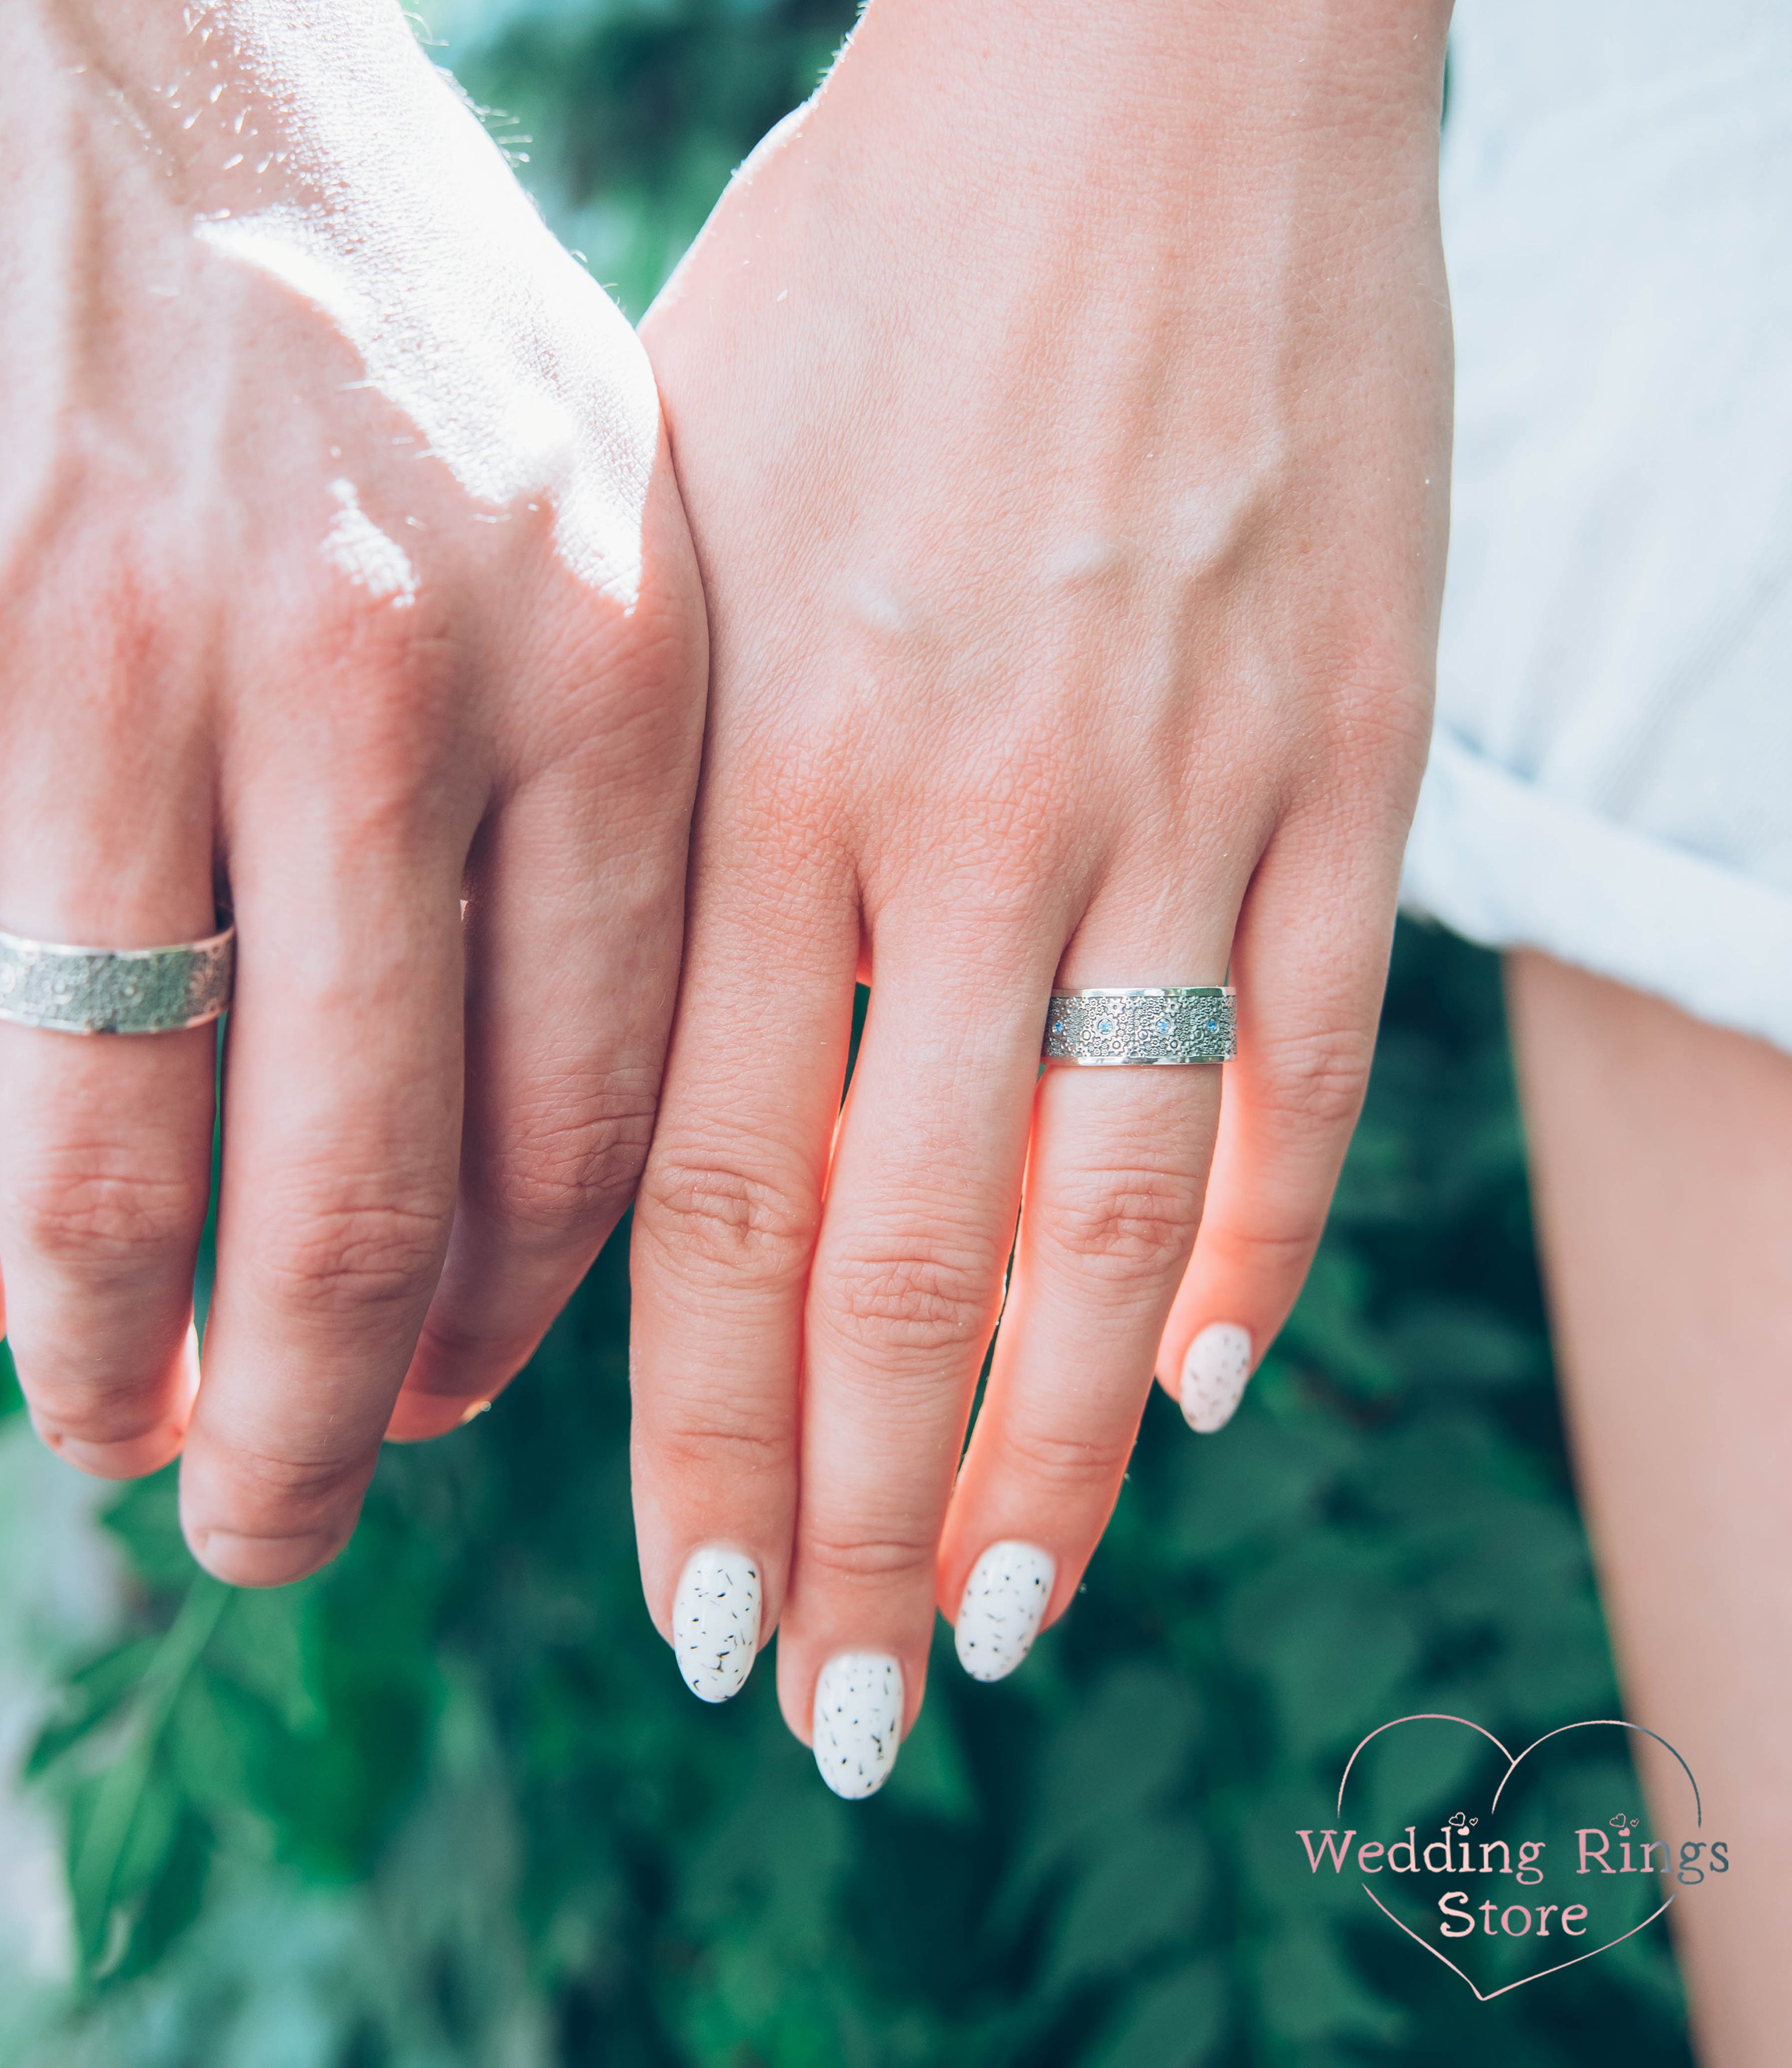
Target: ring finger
[1115,1181]
[1114,1184]
[105,1163]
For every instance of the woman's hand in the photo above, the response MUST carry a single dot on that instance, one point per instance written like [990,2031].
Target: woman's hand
[345,581]
[1061,405]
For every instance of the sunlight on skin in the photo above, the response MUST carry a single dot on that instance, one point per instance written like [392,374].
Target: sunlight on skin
[505,436]
[348,583]
[358,549]
[302,186]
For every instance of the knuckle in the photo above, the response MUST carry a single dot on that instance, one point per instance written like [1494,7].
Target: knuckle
[561,1171]
[389,728]
[1124,1225]
[713,1217]
[987,884]
[89,1209]
[660,650]
[292,1490]
[1261,1249]
[1316,1080]
[627,705]
[932,1300]
[694,1447]
[1066,1462]
[359,1258]
[354,637]
[842,1551]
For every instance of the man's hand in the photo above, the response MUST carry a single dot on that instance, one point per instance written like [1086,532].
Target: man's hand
[345,581]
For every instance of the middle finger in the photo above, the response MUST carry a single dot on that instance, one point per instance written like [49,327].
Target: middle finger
[903,1298]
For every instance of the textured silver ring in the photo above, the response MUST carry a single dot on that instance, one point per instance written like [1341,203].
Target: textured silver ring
[116,990]
[1183,1024]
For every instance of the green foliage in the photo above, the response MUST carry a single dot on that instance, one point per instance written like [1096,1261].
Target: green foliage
[449,1802]
[625,117]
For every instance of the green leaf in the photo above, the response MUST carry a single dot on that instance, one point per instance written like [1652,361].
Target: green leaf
[1178,2021]
[261,1644]
[1126,1749]
[1263,1481]
[931,1777]
[1143,1892]
[1308,1991]
[91,1696]
[1335,1640]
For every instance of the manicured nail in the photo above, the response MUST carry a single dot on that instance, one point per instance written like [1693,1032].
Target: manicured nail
[715,1622]
[1003,1606]
[858,1721]
[1213,1375]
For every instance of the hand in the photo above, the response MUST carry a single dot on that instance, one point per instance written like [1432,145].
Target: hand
[346,580]
[1060,401]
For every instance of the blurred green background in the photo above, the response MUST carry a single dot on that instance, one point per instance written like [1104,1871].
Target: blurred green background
[449,1802]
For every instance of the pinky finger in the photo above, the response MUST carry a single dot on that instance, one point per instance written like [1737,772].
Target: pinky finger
[1309,997]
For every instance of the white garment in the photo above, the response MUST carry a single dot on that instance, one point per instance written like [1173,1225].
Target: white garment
[1611,777]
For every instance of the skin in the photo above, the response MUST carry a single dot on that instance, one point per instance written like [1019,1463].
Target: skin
[1661,1157]
[1072,518]
[345,579]
[1073,526]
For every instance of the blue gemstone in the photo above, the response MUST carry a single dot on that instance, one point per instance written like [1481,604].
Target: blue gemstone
[1106,1027]
[1213,1027]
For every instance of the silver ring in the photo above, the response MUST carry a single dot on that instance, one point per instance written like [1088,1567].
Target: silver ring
[1181,1024]
[116,990]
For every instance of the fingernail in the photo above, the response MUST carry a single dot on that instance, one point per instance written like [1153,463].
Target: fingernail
[715,1622]
[858,1721]
[240,1561]
[420,1417]
[1214,1375]
[1003,1605]
[129,1458]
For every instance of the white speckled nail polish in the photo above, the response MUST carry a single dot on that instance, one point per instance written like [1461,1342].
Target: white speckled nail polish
[1213,1375]
[716,1620]
[1003,1605]
[858,1721]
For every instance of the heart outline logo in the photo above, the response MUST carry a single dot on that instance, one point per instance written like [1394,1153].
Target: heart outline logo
[1513,1761]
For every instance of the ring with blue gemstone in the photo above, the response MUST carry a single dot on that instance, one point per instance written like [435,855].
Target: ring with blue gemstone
[1134,1025]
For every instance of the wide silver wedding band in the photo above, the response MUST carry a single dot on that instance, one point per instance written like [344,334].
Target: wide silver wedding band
[116,990]
[1181,1024]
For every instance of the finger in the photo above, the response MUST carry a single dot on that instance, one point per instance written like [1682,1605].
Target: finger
[724,1231]
[107,1168]
[105,1156]
[1309,966]
[906,1283]
[341,1137]
[572,939]
[572,953]
[572,934]
[1114,1184]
